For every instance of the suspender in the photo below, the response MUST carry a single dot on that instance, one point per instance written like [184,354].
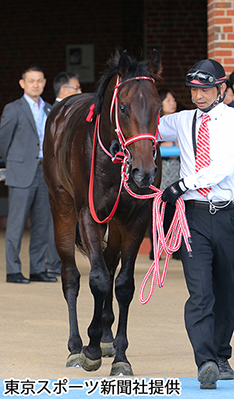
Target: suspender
[194,133]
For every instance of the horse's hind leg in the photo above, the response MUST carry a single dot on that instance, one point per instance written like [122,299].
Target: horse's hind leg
[107,339]
[65,221]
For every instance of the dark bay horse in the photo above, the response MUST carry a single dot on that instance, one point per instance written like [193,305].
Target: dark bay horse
[84,178]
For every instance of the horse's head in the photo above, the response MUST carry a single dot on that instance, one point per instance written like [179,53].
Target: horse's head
[137,108]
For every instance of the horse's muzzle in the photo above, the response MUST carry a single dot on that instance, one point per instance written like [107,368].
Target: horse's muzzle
[143,179]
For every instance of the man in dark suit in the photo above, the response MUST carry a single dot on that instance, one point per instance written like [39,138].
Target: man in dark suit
[65,84]
[21,138]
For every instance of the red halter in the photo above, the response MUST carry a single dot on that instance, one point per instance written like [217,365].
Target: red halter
[114,103]
[122,156]
[118,158]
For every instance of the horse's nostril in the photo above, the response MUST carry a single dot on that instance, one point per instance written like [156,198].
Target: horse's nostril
[137,175]
[154,174]
[143,179]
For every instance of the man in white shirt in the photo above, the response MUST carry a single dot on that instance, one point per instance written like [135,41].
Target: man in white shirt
[209,311]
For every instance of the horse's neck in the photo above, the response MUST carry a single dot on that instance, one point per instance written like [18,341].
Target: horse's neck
[107,129]
[107,121]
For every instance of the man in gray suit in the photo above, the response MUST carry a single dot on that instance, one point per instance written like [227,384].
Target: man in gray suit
[21,138]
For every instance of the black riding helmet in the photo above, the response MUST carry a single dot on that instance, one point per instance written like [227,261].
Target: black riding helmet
[205,74]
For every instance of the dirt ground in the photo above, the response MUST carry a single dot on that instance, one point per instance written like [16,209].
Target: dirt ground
[34,326]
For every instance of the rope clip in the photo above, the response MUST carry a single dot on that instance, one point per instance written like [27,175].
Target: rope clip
[128,163]
[213,209]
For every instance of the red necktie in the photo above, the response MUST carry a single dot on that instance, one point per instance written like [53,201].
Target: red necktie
[203,150]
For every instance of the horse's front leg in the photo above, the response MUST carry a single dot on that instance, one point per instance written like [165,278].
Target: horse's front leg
[99,282]
[125,287]
[112,256]
[124,291]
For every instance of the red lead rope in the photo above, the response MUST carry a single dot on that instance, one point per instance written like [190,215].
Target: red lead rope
[91,182]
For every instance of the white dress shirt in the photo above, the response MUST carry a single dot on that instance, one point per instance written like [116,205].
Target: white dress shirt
[40,117]
[219,175]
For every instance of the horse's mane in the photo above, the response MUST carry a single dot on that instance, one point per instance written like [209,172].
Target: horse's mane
[135,69]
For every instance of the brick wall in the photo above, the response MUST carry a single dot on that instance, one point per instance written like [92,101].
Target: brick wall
[220,17]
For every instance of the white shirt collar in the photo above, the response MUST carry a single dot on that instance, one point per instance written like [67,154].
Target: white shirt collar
[32,103]
[214,112]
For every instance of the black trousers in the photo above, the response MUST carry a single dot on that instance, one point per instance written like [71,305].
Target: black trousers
[209,274]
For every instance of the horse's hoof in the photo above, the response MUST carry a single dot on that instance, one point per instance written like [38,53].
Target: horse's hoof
[73,360]
[108,349]
[121,368]
[89,364]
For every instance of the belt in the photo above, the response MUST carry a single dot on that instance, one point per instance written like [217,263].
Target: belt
[40,160]
[212,207]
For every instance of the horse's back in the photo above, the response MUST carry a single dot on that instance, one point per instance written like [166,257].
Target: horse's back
[72,109]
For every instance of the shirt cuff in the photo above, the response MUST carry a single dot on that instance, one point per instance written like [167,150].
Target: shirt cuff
[190,182]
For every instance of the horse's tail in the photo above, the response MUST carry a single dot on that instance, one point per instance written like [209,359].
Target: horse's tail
[78,241]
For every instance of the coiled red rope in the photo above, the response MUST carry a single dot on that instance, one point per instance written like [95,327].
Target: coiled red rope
[169,243]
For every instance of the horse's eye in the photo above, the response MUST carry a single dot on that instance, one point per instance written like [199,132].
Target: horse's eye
[123,108]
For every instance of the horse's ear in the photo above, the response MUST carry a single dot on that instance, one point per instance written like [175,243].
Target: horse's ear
[124,63]
[155,65]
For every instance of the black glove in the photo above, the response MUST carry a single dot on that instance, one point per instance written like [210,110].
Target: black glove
[174,191]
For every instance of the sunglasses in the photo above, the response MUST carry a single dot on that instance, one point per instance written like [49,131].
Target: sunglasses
[76,88]
[203,77]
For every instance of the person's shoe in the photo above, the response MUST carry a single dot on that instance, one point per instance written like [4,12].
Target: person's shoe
[208,374]
[53,272]
[17,278]
[225,370]
[43,277]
